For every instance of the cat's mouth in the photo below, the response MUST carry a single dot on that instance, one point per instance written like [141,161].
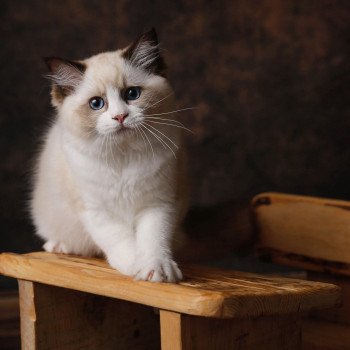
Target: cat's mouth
[123,129]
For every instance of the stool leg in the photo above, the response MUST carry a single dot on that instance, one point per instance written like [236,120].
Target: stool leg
[178,331]
[59,318]
[28,317]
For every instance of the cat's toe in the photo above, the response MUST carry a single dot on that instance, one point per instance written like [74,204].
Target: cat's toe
[159,270]
[173,272]
[55,247]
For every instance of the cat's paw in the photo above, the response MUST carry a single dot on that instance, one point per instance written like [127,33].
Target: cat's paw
[124,264]
[157,269]
[122,258]
[55,247]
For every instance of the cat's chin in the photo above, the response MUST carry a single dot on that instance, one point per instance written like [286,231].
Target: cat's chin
[120,132]
[123,130]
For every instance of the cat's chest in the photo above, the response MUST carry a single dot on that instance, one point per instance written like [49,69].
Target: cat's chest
[116,184]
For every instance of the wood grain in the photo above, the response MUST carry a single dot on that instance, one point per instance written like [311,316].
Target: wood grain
[304,226]
[184,332]
[204,292]
[56,318]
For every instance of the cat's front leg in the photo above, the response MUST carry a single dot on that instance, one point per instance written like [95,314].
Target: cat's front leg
[114,237]
[154,262]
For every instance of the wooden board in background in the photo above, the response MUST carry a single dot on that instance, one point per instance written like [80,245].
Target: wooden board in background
[316,229]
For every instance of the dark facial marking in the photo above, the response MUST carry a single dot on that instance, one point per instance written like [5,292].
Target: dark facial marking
[53,63]
[157,66]
[59,92]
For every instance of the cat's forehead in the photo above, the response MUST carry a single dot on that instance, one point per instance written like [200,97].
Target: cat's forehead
[106,68]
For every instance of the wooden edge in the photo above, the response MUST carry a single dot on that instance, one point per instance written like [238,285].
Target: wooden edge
[178,297]
[267,198]
[302,262]
[115,285]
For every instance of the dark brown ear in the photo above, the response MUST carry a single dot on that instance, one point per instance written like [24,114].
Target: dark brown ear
[144,52]
[65,76]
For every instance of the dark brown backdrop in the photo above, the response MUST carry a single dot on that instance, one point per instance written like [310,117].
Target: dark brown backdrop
[270,80]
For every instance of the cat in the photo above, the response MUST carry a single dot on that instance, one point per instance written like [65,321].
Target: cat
[111,176]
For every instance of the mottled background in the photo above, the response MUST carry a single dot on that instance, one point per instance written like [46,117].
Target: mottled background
[269,78]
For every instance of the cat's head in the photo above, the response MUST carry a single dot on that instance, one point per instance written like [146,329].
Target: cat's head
[112,93]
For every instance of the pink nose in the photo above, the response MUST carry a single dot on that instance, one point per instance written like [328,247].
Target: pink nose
[120,117]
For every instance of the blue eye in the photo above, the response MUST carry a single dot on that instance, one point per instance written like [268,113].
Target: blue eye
[96,103]
[132,93]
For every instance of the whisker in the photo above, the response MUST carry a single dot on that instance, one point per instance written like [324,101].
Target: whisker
[162,99]
[162,142]
[108,145]
[148,142]
[177,126]
[163,135]
[157,137]
[147,104]
[166,119]
[176,111]
[143,138]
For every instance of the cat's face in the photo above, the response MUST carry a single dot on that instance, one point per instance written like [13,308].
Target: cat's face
[112,93]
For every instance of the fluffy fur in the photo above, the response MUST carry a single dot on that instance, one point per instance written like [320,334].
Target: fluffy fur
[106,187]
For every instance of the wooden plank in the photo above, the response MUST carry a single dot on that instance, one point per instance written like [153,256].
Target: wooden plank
[303,262]
[321,335]
[58,318]
[264,333]
[204,292]
[304,226]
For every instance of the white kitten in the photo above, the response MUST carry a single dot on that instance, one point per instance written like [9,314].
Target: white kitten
[110,177]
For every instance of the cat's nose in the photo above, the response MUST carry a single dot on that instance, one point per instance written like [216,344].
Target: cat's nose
[120,117]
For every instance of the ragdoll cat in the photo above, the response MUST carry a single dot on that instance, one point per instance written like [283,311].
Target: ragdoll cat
[110,176]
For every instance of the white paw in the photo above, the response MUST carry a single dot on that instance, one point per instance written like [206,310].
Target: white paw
[157,269]
[123,264]
[122,258]
[55,247]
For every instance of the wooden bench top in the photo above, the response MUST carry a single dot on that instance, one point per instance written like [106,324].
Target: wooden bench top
[204,291]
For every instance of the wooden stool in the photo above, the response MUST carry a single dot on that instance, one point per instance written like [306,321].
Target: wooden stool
[70,302]
[312,234]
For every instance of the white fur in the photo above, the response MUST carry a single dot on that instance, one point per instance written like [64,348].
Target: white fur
[100,191]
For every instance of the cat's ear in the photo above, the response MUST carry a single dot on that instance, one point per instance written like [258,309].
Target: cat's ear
[65,76]
[144,52]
